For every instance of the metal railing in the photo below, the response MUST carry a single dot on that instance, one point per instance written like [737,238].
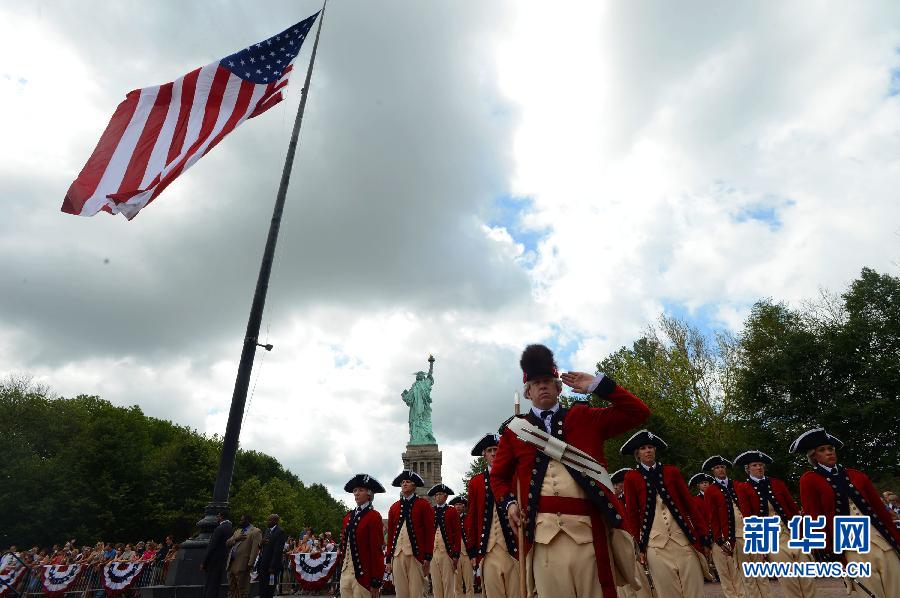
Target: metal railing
[89,583]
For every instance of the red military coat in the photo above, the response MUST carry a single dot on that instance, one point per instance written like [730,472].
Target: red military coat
[585,428]
[420,527]
[363,545]
[703,505]
[482,510]
[448,527]
[687,513]
[749,502]
[720,511]
[818,498]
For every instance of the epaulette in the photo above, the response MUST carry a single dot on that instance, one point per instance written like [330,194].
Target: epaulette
[505,423]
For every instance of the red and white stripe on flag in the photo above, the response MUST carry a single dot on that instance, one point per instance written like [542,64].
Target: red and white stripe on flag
[158,132]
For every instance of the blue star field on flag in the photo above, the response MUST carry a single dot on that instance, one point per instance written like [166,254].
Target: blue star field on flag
[265,62]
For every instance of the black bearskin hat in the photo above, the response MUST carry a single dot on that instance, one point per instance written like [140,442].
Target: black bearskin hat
[537,362]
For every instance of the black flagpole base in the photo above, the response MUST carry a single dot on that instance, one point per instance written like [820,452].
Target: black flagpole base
[185,569]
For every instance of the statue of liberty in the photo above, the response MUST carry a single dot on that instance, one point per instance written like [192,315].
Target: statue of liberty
[418,397]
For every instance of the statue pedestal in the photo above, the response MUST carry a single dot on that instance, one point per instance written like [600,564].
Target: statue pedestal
[425,460]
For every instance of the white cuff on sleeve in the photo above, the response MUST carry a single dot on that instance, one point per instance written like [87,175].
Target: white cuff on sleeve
[595,382]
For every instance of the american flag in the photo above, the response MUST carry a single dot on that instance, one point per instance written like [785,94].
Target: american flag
[158,132]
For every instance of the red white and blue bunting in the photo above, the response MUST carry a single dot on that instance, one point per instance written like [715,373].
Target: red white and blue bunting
[9,578]
[312,571]
[57,579]
[118,577]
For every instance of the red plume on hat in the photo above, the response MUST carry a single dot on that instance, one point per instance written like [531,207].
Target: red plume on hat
[537,362]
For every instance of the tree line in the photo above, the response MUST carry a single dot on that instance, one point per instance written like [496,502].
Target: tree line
[831,361]
[84,468]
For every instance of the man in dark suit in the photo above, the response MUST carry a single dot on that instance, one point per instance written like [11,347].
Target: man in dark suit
[271,557]
[214,559]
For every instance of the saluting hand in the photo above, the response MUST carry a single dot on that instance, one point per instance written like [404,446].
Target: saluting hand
[579,381]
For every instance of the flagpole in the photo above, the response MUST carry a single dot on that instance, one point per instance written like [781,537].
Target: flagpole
[251,339]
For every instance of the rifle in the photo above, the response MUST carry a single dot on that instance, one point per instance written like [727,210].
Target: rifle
[652,588]
[523,586]
[851,583]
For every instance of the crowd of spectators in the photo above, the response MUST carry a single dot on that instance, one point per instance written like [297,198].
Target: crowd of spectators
[158,554]
[100,554]
[311,542]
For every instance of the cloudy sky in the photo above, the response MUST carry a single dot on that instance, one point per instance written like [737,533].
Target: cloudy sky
[472,177]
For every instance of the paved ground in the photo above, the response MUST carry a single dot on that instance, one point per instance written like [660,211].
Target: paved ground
[826,588]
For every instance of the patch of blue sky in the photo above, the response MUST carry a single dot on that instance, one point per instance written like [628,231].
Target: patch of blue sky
[564,346]
[341,359]
[766,211]
[507,211]
[894,86]
[703,318]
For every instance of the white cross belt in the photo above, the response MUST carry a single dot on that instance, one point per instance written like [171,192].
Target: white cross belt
[563,452]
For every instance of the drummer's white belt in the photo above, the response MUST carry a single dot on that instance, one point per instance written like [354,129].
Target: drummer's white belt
[563,452]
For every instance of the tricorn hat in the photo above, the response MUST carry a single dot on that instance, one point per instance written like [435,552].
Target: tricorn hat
[408,474]
[640,439]
[748,457]
[812,439]
[458,500]
[537,362]
[363,480]
[715,460]
[487,441]
[440,488]
[619,476]
[701,477]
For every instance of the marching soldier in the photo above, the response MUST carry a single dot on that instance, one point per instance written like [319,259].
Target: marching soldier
[831,489]
[702,482]
[410,537]
[727,526]
[627,591]
[465,575]
[765,496]
[447,540]
[734,494]
[362,570]
[571,510]
[618,480]
[488,528]
[671,529]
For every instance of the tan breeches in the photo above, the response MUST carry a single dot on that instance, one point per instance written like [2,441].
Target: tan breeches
[726,566]
[409,577]
[564,568]
[442,575]
[675,570]
[754,587]
[627,591]
[350,588]
[885,580]
[793,587]
[465,578]
[499,575]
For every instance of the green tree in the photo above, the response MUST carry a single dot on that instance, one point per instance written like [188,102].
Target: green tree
[833,362]
[82,467]
[687,381]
